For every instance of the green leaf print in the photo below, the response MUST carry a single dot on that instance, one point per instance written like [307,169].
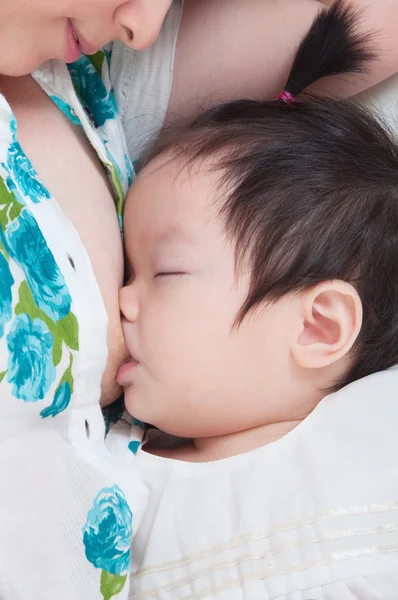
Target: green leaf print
[111,585]
[97,60]
[2,375]
[15,210]
[4,251]
[67,376]
[57,351]
[117,184]
[10,208]
[67,329]
[27,306]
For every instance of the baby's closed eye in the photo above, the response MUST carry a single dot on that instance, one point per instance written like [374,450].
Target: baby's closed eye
[169,274]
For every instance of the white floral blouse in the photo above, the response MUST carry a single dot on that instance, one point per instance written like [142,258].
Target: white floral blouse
[68,509]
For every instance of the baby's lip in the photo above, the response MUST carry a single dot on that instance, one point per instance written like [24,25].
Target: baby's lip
[131,358]
[132,354]
[122,376]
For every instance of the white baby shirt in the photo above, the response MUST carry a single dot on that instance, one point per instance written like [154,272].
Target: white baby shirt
[313,516]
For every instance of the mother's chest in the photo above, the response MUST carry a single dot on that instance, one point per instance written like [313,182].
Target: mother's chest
[70,169]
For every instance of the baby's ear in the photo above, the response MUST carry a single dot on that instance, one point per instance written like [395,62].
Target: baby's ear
[331,315]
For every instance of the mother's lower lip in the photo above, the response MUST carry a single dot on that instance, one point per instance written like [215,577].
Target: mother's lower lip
[72,48]
[124,370]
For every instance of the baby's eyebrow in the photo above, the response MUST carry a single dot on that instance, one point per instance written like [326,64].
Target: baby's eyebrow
[170,234]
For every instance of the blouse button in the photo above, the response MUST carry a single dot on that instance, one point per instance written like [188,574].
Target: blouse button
[72,262]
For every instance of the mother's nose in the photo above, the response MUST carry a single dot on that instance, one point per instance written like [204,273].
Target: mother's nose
[140,21]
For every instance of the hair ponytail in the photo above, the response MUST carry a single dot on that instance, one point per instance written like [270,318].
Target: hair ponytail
[333,46]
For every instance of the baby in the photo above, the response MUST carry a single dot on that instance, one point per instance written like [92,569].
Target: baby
[262,244]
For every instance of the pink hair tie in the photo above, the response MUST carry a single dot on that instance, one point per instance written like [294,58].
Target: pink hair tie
[287,97]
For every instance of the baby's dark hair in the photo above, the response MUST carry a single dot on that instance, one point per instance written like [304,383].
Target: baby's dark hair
[312,189]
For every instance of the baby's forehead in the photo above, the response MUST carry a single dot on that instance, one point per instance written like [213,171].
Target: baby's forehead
[170,197]
[167,233]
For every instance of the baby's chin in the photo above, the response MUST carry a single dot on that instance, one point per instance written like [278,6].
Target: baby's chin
[132,406]
[141,406]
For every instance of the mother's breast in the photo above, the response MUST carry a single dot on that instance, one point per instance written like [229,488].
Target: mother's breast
[72,172]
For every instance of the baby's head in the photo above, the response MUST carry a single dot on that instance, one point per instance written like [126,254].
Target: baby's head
[263,250]
[262,243]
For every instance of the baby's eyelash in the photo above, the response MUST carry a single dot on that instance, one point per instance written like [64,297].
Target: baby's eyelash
[167,273]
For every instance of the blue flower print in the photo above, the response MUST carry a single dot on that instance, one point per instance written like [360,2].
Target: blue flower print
[13,128]
[113,161]
[134,446]
[25,243]
[14,190]
[23,175]
[60,403]
[129,170]
[108,531]
[66,109]
[30,366]
[100,102]
[6,283]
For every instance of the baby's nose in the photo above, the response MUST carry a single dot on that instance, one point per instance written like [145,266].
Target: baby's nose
[128,303]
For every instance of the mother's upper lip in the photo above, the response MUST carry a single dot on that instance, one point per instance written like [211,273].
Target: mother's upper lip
[85,46]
